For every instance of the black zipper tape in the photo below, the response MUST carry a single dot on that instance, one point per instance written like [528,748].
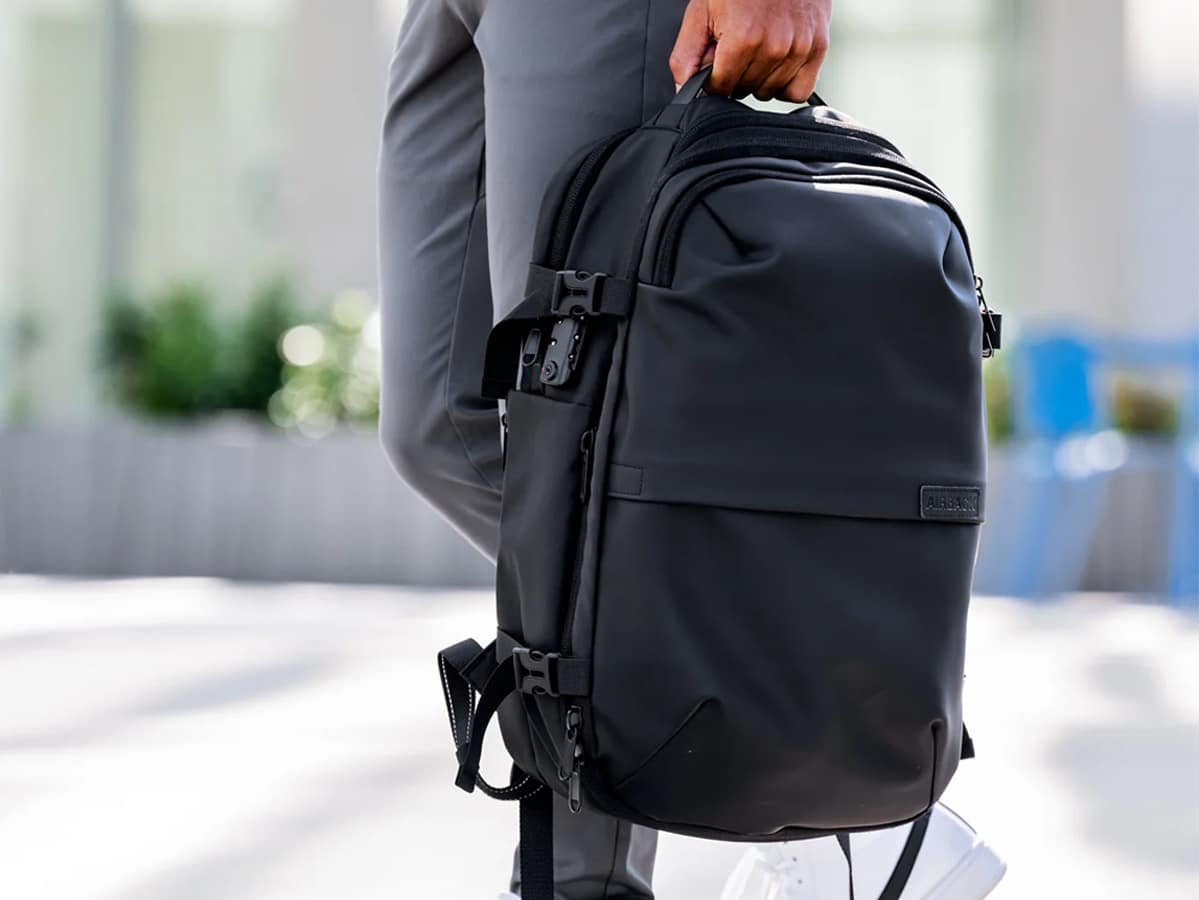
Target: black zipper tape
[799,146]
[572,202]
[794,123]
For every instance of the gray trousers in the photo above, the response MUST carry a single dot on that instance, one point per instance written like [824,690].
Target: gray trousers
[532,81]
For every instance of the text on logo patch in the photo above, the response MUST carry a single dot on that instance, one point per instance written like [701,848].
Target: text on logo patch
[955,504]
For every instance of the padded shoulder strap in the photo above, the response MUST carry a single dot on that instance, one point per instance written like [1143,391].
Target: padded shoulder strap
[843,843]
[907,859]
[537,846]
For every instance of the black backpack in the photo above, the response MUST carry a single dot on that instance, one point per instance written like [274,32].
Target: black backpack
[745,466]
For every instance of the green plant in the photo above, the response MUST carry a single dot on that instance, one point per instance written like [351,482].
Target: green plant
[170,356]
[253,371]
[999,400]
[331,371]
[162,356]
[24,337]
[1142,409]
[1136,407]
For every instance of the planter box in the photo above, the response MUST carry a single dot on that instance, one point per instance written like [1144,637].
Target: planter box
[1104,532]
[226,499]
[235,500]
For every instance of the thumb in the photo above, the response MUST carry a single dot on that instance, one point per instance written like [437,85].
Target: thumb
[692,42]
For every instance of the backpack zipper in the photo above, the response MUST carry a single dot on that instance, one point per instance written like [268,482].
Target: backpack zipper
[571,763]
[766,140]
[586,459]
[580,184]
[586,448]
[749,119]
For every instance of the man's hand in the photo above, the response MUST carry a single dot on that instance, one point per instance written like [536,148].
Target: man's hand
[772,49]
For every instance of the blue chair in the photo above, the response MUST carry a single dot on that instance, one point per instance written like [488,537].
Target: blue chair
[1183,579]
[1178,355]
[1183,582]
[1042,522]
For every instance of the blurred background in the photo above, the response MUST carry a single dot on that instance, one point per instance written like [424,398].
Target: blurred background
[188,392]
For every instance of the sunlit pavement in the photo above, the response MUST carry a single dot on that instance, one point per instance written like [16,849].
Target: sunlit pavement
[199,740]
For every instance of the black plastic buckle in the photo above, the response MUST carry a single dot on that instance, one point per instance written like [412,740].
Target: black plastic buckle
[992,322]
[536,672]
[577,293]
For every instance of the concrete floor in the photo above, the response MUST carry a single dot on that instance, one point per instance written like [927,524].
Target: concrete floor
[200,740]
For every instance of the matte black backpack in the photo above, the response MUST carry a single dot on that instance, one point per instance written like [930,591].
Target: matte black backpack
[744,476]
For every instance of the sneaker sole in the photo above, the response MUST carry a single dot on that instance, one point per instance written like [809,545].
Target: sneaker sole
[973,878]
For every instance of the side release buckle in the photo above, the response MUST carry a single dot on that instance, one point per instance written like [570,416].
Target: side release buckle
[577,293]
[536,672]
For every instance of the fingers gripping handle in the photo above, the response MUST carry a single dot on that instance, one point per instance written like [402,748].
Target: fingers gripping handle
[692,89]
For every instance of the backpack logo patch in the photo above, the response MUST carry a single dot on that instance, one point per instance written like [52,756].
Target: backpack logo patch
[953,504]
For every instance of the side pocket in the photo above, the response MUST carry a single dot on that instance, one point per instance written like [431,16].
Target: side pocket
[539,520]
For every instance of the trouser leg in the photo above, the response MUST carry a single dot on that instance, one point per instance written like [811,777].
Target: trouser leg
[558,75]
[598,857]
[442,437]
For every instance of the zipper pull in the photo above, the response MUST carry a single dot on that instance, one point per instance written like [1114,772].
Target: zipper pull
[574,720]
[575,796]
[586,446]
[992,322]
[568,768]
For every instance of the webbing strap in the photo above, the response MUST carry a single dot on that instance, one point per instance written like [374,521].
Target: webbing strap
[967,744]
[465,669]
[548,293]
[501,683]
[843,843]
[907,859]
[454,665]
[537,846]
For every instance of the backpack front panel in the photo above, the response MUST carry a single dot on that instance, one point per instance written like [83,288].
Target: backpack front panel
[758,671]
[778,614]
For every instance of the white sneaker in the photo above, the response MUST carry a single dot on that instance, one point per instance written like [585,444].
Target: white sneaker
[951,863]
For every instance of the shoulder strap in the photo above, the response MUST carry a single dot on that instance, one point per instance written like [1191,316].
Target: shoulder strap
[907,859]
[843,843]
[537,846]
[467,669]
